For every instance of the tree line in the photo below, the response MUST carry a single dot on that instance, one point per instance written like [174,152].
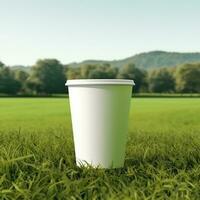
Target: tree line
[48,76]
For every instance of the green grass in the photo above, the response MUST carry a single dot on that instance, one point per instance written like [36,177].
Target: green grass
[37,152]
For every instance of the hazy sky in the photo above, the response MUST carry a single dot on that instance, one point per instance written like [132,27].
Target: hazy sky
[75,30]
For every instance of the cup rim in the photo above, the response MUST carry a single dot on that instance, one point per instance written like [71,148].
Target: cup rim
[78,82]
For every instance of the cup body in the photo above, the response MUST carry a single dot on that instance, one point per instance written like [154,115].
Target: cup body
[99,112]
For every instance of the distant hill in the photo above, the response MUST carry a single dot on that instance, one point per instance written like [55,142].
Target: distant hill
[153,59]
[148,60]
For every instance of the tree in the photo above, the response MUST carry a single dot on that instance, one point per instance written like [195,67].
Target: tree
[21,76]
[8,84]
[85,70]
[1,64]
[73,73]
[95,71]
[104,71]
[47,76]
[161,80]
[188,78]
[129,71]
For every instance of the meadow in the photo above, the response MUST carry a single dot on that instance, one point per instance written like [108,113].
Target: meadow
[37,153]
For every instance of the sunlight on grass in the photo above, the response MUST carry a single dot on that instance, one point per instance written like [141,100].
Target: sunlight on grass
[37,153]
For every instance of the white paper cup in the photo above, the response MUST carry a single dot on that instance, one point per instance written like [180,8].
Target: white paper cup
[99,112]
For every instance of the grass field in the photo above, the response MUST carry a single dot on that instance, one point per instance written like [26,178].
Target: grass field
[37,153]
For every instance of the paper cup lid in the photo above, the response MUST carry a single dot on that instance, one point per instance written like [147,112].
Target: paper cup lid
[77,82]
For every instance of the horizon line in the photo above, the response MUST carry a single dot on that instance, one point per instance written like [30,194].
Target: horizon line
[111,60]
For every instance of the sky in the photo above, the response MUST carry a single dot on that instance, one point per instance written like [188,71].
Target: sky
[76,30]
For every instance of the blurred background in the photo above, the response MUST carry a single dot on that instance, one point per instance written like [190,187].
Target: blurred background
[44,43]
